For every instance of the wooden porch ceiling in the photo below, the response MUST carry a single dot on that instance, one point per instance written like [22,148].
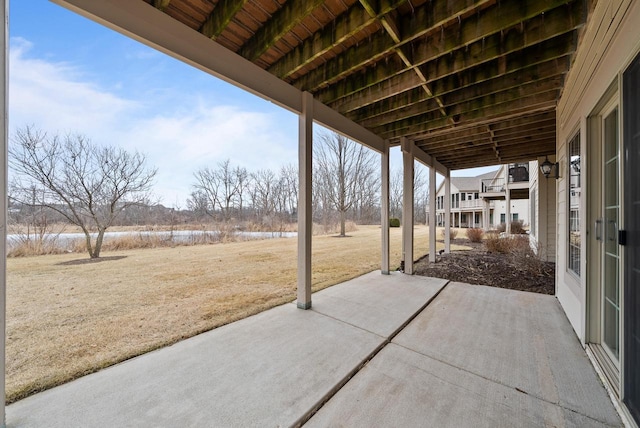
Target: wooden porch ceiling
[472,83]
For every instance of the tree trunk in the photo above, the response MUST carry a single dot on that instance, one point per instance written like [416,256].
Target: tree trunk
[98,247]
[87,237]
[343,216]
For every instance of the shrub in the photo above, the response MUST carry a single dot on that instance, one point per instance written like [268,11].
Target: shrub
[452,233]
[502,227]
[394,222]
[517,228]
[475,234]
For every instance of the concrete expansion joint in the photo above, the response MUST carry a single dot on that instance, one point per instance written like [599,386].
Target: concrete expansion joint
[305,418]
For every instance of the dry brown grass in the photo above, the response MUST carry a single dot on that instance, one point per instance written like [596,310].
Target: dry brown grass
[68,316]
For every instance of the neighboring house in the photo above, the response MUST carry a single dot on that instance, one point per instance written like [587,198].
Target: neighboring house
[483,201]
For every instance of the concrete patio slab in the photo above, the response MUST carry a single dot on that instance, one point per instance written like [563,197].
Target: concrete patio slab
[402,388]
[518,339]
[378,303]
[271,369]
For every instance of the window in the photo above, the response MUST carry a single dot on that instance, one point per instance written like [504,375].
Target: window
[462,196]
[475,196]
[573,173]
[503,218]
[514,216]
[470,196]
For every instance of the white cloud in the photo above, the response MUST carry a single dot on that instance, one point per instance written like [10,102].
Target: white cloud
[54,97]
[177,137]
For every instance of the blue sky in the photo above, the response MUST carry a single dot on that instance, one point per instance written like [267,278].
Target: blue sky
[69,74]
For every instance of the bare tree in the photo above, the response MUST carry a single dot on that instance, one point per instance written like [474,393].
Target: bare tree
[223,189]
[420,193]
[87,184]
[341,166]
[262,194]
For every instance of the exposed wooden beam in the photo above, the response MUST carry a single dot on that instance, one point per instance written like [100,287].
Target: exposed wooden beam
[479,92]
[343,28]
[513,119]
[476,28]
[287,17]
[464,85]
[499,103]
[161,4]
[220,17]
[391,27]
[372,85]
[524,144]
[479,135]
[468,114]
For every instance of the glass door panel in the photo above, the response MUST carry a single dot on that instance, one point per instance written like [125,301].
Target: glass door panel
[611,257]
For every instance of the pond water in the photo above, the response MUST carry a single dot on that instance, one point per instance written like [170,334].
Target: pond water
[65,240]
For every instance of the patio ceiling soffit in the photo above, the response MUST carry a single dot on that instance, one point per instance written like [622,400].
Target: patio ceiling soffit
[470,82]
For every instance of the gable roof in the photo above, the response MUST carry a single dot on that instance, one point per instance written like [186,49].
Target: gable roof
[468,184]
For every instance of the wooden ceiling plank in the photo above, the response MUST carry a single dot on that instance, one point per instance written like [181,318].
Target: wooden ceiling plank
[486,113]
[161,4]
[344,27]
[481,139]
[280,24]
[431,16]
[477,135]
[411,102]
[509,120]
[491,21]
[459,103]
[464,72]
[220,17]
[442,152]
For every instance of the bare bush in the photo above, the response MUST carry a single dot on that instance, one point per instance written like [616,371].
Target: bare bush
[452,233]
[517,228]
[475,234]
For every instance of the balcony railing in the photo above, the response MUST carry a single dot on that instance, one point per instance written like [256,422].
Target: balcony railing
[474,203]
[466,205]
[492,185]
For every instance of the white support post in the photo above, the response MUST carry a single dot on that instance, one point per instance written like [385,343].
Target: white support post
[486,214]
[384,206]
[3,201]
[447,212]
[407,206]
[305,154]
[507,216]
[432,214]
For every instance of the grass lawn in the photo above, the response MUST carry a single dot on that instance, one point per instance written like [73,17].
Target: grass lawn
[69,319]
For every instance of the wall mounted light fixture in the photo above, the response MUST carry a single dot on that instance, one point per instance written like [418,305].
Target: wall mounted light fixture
[546,167]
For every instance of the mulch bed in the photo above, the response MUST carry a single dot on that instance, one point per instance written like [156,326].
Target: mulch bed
[477,266]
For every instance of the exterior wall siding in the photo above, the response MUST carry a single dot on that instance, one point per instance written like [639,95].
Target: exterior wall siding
[608,43]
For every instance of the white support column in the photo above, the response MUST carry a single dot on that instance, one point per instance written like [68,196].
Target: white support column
[507,200]
[432,213]
[384,206]
[486,209]
[507,216]
[305,154]
[407,206]
[3,200]
[447,212]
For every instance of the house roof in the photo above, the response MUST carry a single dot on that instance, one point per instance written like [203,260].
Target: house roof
[469,184]
[471,83]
